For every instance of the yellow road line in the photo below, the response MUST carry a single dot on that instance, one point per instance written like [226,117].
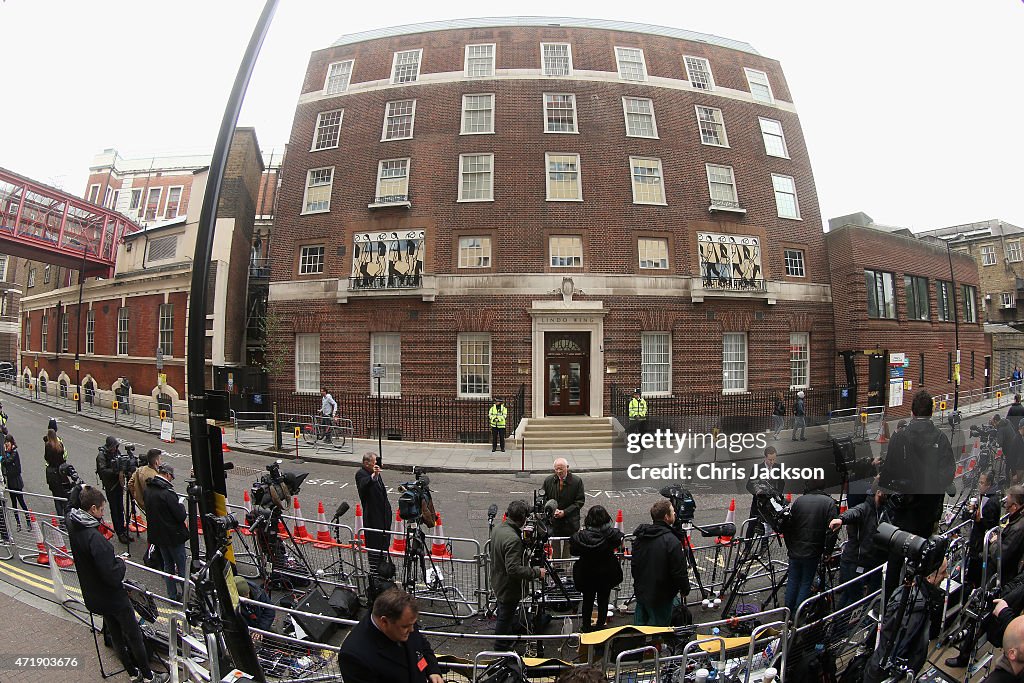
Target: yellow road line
[41,586]
[36,577]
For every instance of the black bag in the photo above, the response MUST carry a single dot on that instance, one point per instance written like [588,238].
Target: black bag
[152,558]
[505,670]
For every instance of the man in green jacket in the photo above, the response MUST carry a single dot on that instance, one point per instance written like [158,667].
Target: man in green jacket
[566,490]
[508,572]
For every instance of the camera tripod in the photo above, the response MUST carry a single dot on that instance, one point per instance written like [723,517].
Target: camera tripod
[752,552]
[415,560]
[537,621]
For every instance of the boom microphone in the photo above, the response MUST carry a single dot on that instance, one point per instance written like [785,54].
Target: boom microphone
[342,509]
[723,529]
[492,512]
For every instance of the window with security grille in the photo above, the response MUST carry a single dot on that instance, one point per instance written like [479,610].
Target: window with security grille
[474,364]
[794,262]
[474,252]
[43,329]
[734,362]
[943,304]
[64,331]
[163,248]
[480,60]
[406,66]
[630,61]
[566,251]
[399,118]
[166,329]
[1012,252]
[556,59]
[774,139]
[712,126]
[988,255]
[656,363]
[639,112]
[563,177]
[881,294]
[339,74]
[393,180]
[648,184]
[477,114]
[698,71]
[799,360]
[722,186]
[173,202]
[90,331]
[386,350]
[559,113]
[970,294]
[318,190]
[917,297]
[476,182]
[653,252]
[311,260]
[328,129]
[122,331]
[760,88]
[307,363]
[785,196]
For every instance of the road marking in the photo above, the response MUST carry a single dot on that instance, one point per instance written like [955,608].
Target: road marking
[486,493]
[81,429]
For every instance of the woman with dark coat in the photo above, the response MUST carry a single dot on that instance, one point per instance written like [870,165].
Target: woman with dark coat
[597,570]
[59,484]
[11,464]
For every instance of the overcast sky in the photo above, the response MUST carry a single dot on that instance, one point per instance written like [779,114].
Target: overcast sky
[911,109]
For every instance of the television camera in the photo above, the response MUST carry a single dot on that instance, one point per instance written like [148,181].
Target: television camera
[415,503]
[983,432]
[126,462]
[537,527]
[773,508]
[682,502]
[271,495]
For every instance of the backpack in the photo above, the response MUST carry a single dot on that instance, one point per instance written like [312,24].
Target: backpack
[504,670]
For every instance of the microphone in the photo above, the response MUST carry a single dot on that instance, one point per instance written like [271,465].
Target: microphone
[340,512]
[492,512]
[550,507]
[723,529]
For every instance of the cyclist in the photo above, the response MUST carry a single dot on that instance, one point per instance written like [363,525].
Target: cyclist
[328,411]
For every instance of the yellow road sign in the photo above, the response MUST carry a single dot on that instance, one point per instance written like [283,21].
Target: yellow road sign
[74,397]
[114,405]
[942,405]
[298,433]
[163,415]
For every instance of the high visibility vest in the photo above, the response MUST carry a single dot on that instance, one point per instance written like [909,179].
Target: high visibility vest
[637,408]
[497,416]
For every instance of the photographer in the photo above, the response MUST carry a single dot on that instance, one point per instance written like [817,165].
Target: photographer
[566,490]
[167,529]
[918,468]
[1011,544]
[100,574]
[377,514]
[805,536]
[860,553]
[508,571]
[1006,630]
[658,567]
[141,477]
[112,476]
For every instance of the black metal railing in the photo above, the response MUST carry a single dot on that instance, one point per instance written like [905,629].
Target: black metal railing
[385,282]
[733,283]
[387,199]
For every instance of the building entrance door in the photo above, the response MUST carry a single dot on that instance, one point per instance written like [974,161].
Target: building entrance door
[567,360]
[878,379]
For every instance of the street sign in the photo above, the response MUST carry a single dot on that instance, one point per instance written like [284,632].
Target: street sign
[75,396]
[166,430]
[163,415]
[77,366]
[159,358]
[298,433]
[378,371]
[114,405]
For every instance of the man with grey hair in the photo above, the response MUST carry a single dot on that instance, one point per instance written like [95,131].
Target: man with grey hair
[566,490]
[166,529]
[377,513]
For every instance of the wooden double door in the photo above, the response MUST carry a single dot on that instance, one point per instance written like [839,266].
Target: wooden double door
[567,367]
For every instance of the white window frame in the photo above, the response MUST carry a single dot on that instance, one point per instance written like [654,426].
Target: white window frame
[493,67]
[707,67]
[1006,300]
[482,249]
[465,109]
[107,194]
[766,135]
[94,194]
[643,249]
[575,120]
[797,263]
[626,114]
[316,144]
[328,90]
[135,200]
[778,177]
[307,363]
[123,321]
[47,270]
[380,177]
[767,85]
[28,334]
[970,303]
[735,191]
[717,120]
[114,197]
[388,115]
[485,366]
[44,328]
[90,332]
[571,241]
[305,194]
[31,281]
[988,255]
[156,205]
[1013,252]
[798,358]
[386,342]
[394,66]
[463,172]
[177,204]
[165,331]
[544,64]
[619,64]
[308,259]
[732,384]
[635,184]
[656,371]
[3,267]
[547,178]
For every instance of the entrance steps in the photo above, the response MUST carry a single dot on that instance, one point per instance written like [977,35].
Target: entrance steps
[570,433]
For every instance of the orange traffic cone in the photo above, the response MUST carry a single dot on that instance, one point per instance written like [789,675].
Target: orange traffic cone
[959,471]
[247,506]
[137,525]
[357,530]
[883,436]
[730,517]
[618,520]
[43,557]
[789,497]
[63,559]
[323,535]
[300,533]
[972,464]
[398,535]
[224,447]
[439,547]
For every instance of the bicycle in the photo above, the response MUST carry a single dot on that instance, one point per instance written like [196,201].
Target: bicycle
[325,429]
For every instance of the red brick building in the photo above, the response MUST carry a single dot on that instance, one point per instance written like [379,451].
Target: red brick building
[897,294]
[561,204]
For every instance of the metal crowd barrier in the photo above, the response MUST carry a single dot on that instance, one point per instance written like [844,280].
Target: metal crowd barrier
[861,423]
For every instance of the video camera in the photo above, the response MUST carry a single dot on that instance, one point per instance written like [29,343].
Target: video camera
[772,507]
[537,527]
[68,471]
[272,493]
[924,555]
[982,431]
[126,462]
[682,502]
[415,502]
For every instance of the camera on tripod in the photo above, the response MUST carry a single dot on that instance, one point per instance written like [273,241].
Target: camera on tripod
[984,432]
[272,493]
[682,502]
[415,502]
[772,507]
[537,527]
[923,555]
[126,462]
[68,470]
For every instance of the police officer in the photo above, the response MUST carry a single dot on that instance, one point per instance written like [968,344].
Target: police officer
[497,416]
[637,414]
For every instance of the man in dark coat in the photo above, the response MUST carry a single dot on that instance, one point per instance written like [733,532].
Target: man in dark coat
[658,567]
[113,481]
[1016,410]
[100,574]
[387,647]
[860,554]
[166,526]
[806,536]
[507,571]
[377,512]
[1006,630]
[567,491]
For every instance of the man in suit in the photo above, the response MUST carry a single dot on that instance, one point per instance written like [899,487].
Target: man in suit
[566,490]
[377,512]
[386,647]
